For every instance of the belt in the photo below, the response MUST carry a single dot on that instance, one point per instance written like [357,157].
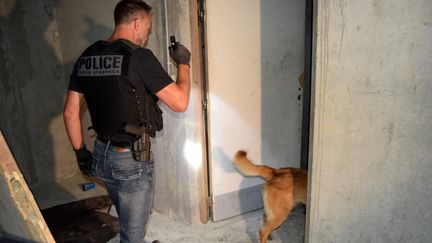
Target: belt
[123,146]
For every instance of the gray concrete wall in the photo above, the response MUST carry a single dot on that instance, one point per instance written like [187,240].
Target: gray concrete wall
[39,43]
[180,181]
[371,166]
[32,87]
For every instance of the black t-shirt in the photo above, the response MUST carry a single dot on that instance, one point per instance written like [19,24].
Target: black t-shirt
[143,67]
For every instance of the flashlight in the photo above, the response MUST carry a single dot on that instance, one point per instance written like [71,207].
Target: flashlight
[173,42]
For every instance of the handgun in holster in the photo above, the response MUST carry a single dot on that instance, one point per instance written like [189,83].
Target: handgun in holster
[140,147]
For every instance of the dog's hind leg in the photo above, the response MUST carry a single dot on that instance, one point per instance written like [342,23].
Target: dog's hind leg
[264,220]
[270,224]
[277,211]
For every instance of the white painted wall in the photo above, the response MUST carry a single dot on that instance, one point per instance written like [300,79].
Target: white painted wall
[371,166]
[234,73]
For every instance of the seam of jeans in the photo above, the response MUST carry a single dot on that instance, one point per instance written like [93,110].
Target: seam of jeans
[107,147]
[106,158]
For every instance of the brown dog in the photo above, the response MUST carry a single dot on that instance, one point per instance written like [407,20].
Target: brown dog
[284,188]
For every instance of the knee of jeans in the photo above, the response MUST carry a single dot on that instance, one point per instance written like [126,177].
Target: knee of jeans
[132,237]
[133,231]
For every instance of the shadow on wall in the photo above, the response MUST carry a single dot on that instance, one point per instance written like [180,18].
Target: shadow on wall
[282,61]
[33,85]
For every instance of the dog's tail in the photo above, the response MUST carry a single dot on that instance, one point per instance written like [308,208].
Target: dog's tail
[248,168]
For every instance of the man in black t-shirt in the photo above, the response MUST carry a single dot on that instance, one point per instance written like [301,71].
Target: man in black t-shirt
[121,82]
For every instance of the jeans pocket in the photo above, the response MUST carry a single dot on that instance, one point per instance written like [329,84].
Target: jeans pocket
[126,172]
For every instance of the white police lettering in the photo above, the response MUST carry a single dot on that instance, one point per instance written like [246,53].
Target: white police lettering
[109,65]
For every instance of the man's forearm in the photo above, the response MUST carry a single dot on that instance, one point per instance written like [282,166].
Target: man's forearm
[71,116]
[183,80]
[73,129]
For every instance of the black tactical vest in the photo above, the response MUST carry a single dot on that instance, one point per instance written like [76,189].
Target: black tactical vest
[112,98]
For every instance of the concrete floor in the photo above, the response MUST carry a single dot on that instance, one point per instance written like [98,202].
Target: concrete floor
[66,191]
[239,229]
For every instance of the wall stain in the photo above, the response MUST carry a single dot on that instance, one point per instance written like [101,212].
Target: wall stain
[390,133]
[301,80]
[377,8]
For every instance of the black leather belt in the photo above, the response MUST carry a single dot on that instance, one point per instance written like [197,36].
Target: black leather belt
[122,144]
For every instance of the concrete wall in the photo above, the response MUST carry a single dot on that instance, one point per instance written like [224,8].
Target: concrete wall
[32,87]
[371,166]
[39,43]
[181,182]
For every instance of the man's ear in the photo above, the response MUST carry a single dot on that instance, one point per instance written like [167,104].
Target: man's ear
[137,24]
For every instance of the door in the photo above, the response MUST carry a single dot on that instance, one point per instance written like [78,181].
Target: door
[255,55]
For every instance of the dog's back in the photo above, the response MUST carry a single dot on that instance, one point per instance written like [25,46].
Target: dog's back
[291,179]
[283,178]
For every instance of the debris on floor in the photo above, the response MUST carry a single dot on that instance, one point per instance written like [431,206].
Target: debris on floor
[85,221]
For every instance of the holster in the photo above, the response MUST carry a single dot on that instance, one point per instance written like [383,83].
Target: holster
[141,148]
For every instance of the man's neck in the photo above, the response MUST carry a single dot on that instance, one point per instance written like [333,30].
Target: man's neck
[122,33]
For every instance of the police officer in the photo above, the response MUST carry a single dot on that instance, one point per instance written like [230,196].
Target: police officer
[121,82]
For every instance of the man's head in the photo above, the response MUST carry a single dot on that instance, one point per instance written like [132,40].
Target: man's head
[135,16]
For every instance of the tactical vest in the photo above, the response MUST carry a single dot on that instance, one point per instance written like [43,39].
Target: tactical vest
[112,98]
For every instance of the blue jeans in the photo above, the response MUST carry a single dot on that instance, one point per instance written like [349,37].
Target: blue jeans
[130,187]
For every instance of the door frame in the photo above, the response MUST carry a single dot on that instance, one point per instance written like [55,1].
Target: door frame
[198,14]
[199,79]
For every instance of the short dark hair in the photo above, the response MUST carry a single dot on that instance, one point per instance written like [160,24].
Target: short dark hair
[126,9]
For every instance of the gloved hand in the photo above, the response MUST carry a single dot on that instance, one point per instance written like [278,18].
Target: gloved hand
[84,159]
[181,54]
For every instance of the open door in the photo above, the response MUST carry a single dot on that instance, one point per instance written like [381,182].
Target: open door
[255,55]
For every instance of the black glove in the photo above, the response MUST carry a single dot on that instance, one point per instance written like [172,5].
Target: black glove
[181,54]
[84,159]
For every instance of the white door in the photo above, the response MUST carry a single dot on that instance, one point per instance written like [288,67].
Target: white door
[255,54]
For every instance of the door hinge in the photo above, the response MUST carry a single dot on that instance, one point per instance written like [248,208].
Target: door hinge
[210,202]
[201,15]
[204,105]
